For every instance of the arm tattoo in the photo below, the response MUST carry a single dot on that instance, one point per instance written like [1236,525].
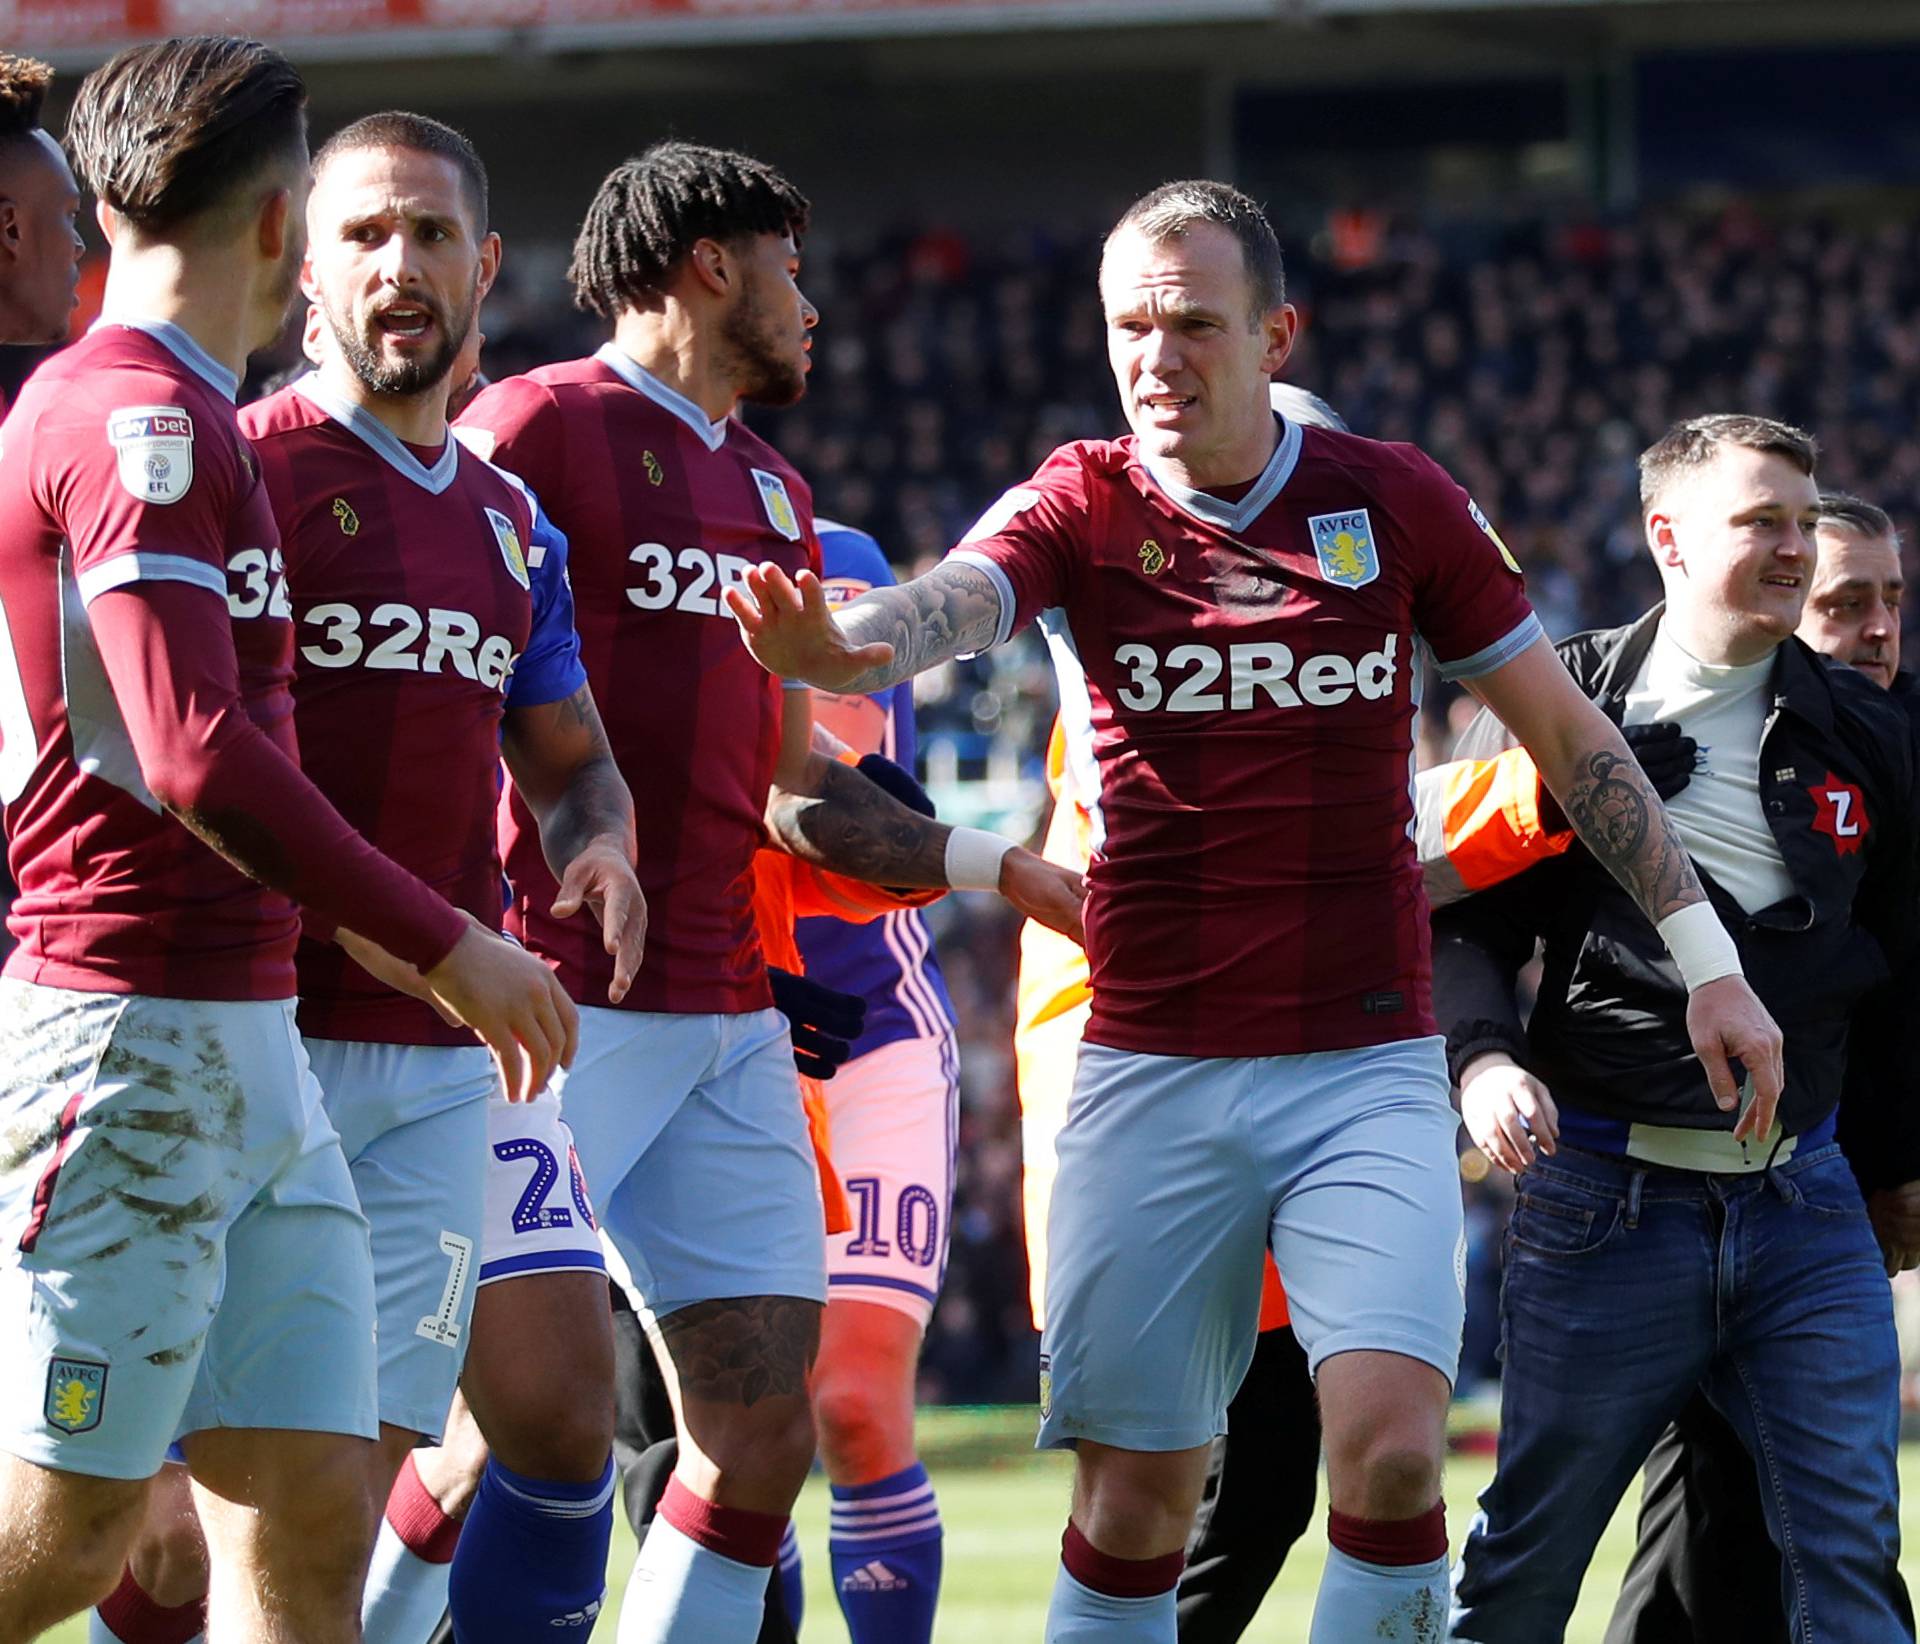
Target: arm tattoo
[1619,819]
[593,801]
[854,826]
[742,1349]
[954,610]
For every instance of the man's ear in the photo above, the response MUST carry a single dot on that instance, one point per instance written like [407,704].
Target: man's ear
[104,217]
[1281,325]
[711,265]
[9,227]
[1661,540]
[491,254]
[271,226]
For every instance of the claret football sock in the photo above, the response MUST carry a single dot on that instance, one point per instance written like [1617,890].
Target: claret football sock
[1112,1600]
[128,1615]
[407,1583]
[886,1547]
[1384,1579]
[793,1586]
[532,1558]
[701,1577]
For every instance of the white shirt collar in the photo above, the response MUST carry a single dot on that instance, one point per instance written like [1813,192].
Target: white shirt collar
[1235,516]
[183,348]
[637,377]
[386,444]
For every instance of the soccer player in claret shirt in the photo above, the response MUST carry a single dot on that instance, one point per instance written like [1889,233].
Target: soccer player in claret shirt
[1238,599]
[683,1105]
[39,245]
[181,1253]
[434,629]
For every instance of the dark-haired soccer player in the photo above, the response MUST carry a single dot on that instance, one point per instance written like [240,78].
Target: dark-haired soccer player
[39,245]
[684,1104]
[434,629]
[183,1252]
[1237,598]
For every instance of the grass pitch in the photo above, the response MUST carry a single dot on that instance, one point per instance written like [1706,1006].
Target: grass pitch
[1004,1507]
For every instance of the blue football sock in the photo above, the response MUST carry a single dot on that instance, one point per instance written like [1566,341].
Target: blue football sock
[793,1587]
[886,1545]
[1395,1603]
[1079,1615]
[532,1556]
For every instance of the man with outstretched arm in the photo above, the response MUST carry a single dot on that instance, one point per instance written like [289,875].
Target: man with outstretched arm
[183,1256]
[683,1103]
[1232,602]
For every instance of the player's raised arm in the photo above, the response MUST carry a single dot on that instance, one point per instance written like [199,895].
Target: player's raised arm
[870,643]
[1586,764]
[829,814]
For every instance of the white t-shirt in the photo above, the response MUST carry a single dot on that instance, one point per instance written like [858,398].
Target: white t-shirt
[1718,813]
[1724,827]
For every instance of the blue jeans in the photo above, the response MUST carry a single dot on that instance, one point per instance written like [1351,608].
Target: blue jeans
[1626,1287]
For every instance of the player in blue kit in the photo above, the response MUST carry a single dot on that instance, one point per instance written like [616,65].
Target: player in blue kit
[892,1114]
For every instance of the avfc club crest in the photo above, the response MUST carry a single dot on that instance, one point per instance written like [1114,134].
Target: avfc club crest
[153,449]
[76,1394]
[779,506]
[1153,558]
[1344,546]
[510,549]
[656,475]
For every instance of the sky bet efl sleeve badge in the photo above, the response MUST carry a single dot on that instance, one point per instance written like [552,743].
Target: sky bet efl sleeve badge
[779,506]
[510,549]
[1343,543]
[154,447]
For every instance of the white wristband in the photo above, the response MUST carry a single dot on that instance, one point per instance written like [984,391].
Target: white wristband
[973,858]
[1700,945]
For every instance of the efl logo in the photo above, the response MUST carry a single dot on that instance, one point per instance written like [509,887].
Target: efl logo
[153,451]
[1251,671]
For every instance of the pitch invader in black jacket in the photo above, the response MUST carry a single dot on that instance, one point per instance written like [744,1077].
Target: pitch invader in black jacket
[1652,1253]
[1694,1578]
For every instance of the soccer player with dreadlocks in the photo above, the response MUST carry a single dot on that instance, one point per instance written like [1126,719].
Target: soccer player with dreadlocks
[683,1105]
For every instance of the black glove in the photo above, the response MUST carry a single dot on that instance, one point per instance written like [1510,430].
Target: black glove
[1665,755]
[824,1021]
[897,780]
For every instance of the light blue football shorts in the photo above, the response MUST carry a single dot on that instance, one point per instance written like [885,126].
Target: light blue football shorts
[413,1124]
[180,1245]
[1176,1172]
[694,1142]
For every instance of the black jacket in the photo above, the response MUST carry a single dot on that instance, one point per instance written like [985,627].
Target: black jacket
[1608,1031]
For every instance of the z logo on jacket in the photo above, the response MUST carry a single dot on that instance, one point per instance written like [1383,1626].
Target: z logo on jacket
[1840,812]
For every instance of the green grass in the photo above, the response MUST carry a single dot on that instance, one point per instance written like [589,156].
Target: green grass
[1004,1508]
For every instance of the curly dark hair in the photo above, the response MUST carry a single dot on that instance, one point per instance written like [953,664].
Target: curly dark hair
[23,89]
[649,211]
